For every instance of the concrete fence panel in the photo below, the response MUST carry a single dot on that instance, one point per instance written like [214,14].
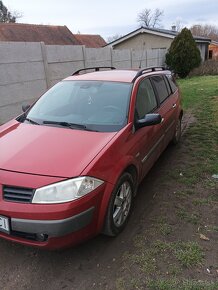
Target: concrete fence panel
[22,76]
[59,71]
[13,52]
[21,72]
[139,58]
[121,58]
[98,57]
[14,95]
[64,53]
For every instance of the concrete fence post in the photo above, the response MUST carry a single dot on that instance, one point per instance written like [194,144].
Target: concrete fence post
[84,55]
[158,64]
[111,55]
[45,63]
[131,60]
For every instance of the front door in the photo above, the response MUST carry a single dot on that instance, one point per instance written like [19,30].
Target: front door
[148,139]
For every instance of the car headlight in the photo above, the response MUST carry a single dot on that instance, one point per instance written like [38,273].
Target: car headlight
[67,190]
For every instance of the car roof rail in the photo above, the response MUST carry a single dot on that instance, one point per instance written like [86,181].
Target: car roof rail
[148,69]
[96,68]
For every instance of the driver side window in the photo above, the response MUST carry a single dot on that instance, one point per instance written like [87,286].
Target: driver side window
[145,101]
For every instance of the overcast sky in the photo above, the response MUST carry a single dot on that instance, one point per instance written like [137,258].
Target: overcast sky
[108,18]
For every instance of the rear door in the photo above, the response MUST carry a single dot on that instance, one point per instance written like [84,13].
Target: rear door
[168,102]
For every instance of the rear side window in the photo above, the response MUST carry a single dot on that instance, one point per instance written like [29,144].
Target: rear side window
[145,101]
[168,86]
[172,83]
[160,87]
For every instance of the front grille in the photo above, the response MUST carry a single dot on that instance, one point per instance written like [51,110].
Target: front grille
[18,194]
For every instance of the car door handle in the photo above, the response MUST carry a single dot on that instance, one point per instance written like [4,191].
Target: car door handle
[174,106]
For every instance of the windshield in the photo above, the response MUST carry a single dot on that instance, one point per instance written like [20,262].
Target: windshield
[96,105]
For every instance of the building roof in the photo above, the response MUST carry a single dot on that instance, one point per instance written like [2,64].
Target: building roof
[155,31]
[49,34]
[90,40]
[214,43]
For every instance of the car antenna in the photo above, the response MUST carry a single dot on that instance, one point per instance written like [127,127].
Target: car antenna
[143,48]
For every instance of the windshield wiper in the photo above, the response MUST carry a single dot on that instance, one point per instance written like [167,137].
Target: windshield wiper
[68,125]
[31,121]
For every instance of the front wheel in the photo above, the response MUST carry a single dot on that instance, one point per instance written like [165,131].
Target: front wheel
[178,132]
[120,206]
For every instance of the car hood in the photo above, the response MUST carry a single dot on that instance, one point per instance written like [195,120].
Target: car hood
[51,151]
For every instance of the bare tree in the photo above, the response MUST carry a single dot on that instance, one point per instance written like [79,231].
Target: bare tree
[114,37]
[157,17]
[206,30]
[7,16]
[149,18]
[179,25]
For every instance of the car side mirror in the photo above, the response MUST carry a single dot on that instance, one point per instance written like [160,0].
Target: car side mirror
[25,108]
[149,120]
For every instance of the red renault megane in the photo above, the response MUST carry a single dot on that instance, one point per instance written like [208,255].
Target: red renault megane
[71,163]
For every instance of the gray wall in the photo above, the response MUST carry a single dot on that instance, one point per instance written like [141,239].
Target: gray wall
[29,69]
[144,41]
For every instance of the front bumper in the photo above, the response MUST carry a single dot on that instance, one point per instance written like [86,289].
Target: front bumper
[53,228]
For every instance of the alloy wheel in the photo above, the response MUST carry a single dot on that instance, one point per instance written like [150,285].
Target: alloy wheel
[122,204]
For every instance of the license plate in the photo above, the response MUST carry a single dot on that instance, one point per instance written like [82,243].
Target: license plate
[4,225]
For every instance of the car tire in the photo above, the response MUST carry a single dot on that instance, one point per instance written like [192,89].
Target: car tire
[178,132]
[120,206]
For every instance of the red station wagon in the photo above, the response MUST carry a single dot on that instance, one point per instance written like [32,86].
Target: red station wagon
[70,165]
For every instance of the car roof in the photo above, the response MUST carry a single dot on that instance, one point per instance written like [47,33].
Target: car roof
[109,75]
[115,75]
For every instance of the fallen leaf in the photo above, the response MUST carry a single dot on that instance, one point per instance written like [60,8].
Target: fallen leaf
[203,237]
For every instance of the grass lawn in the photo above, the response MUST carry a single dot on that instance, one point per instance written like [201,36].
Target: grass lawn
[177,245]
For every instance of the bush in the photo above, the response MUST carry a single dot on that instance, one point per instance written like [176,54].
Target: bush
[208,67]
[183,54]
